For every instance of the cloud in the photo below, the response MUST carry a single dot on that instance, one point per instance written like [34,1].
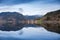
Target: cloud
[50,1]
[14,2]
[30,7]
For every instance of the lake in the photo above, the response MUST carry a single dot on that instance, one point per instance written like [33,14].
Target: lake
[29,32]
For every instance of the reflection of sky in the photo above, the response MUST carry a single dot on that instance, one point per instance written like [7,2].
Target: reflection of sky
[30,33]
[30,7]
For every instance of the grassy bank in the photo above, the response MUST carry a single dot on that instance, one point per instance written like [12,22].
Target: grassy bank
[39,21]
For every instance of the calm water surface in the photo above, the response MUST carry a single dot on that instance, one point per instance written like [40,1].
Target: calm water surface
[29,32]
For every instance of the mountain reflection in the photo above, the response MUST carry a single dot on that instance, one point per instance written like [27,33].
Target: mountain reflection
[13,28]
[53,27]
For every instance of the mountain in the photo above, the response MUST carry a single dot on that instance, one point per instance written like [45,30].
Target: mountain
[50,21]
[11,21]
[32,17]
[52,16]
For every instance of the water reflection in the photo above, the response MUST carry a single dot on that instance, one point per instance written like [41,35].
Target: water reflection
[29,32]
[53,27]
[7,27]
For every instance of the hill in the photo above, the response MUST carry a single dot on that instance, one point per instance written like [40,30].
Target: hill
[51,21]
[11,21]
[52,16]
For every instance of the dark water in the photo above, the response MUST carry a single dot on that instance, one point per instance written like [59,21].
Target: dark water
[29,32]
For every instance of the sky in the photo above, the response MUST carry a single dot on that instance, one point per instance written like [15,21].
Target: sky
[29,7]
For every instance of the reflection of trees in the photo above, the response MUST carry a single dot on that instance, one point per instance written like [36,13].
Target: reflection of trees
[54,27]
[11,28]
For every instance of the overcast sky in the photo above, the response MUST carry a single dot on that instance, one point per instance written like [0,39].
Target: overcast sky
[29,7]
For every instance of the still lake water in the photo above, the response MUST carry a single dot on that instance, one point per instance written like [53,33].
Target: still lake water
[29,32]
